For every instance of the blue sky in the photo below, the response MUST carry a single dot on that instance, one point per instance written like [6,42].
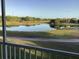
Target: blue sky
[43,8]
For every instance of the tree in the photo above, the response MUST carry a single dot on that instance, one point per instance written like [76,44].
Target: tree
[72,20]
[22,19]
[52,23]
[12,18]
[78,21]
[28,18]
[0,18]
[57,23]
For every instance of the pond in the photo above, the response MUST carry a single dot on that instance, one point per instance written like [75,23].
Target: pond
[41,27]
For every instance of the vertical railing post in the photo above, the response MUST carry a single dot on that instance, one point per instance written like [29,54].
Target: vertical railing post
[35,53]
[29,53]
[41,54]
[49,55]
[3,27]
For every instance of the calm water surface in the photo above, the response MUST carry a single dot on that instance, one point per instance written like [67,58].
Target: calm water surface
[41,27]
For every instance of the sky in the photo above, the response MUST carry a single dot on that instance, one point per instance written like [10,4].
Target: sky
[43,8]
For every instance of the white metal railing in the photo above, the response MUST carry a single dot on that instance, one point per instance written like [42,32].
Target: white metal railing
[15,51]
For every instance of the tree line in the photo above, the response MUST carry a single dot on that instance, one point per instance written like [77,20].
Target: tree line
[59,22]
[28,18]
[65,20]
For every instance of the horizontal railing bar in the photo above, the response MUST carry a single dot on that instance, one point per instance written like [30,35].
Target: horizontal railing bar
[43,49]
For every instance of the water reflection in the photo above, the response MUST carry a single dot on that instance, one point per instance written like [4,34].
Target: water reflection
[41,27]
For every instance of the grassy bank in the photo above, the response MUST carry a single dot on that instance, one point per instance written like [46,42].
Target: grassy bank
[25,23]
[55,34]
